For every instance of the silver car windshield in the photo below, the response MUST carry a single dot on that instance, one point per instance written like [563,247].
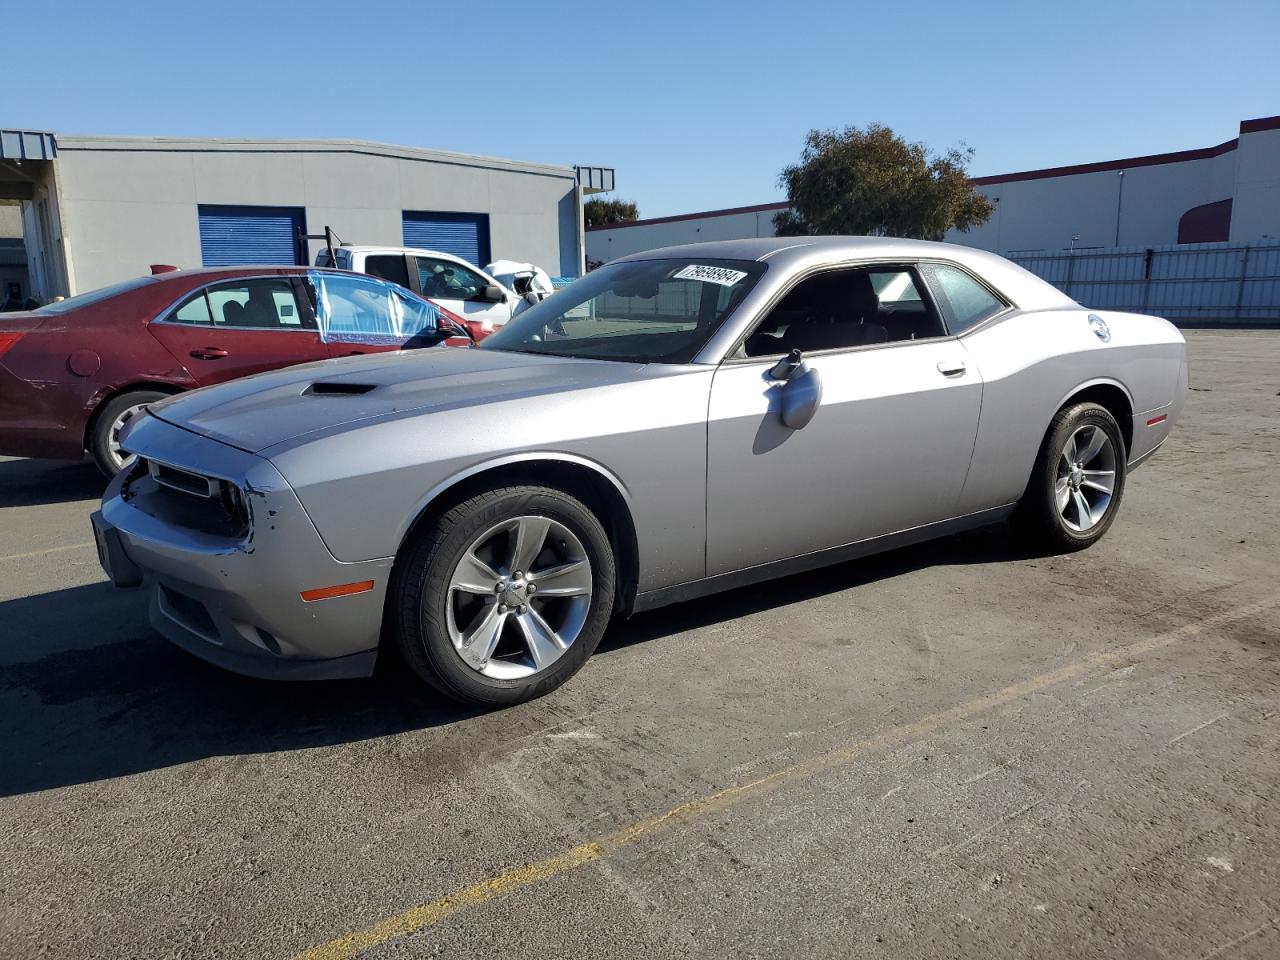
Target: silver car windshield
[639,311]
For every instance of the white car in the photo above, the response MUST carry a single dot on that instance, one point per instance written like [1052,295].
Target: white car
[447,281]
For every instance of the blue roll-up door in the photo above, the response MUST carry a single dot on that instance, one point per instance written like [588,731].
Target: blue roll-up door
[230,236]
[464,235]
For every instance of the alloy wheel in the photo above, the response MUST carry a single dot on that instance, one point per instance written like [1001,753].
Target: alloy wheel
[114,452]
[519,597]
[1086,478]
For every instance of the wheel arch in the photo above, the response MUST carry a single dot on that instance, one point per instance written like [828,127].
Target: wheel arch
[597,487]
[100,403]
[1110,394]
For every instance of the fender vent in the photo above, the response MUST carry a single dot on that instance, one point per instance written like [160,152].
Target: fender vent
[338,388]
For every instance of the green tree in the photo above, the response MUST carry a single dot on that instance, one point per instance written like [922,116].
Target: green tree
[873,182]
[597,211]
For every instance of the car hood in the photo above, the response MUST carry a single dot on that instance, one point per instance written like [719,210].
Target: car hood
[261,411]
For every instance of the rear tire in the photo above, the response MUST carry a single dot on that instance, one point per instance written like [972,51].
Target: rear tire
[111,418]
[1077,481]
[505,596]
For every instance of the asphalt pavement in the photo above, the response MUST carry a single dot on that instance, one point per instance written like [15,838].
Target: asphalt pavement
[955,750]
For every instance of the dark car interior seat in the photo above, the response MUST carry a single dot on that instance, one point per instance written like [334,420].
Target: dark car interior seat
[233,314]
[260,311]
[826,312]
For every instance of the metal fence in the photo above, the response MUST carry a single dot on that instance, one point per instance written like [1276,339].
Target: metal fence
[1204,282]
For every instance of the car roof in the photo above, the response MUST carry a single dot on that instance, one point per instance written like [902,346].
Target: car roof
[239,270]
[372,248]
[1024,288]
[766,248]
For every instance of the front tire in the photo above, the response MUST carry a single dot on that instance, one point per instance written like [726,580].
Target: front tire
[111,419]
[505,596]
[1077,481]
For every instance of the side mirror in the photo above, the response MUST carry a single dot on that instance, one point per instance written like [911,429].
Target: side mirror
[785,368]
[532,299]
[493,294]
[801,390]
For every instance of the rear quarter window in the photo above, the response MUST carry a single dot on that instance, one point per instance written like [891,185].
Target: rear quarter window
[963,300]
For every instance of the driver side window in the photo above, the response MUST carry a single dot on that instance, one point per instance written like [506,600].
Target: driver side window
[446,280]
[365,309]
[841,309]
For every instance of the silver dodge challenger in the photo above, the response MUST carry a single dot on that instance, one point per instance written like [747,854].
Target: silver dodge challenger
[678,422]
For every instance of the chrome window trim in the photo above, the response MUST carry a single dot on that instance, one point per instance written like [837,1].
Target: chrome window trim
[763,312]
[162,316]
[773,358]
[1009,305]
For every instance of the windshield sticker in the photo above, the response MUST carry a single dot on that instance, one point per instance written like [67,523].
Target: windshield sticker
[697,271]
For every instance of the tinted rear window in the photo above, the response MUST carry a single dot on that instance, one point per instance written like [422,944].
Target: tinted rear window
[93,296]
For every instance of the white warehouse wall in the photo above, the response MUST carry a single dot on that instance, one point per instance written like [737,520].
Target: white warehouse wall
[609,243]
[1137,205]
[1256,212]
[1134,202]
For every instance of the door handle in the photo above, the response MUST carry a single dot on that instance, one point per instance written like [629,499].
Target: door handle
[951,368]
[209,353]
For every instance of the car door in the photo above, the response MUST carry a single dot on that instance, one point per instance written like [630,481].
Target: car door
[237,327]
[462,291]
[362,314]
[891,434]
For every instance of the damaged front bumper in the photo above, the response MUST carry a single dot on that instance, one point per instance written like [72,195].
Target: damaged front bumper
[228,575]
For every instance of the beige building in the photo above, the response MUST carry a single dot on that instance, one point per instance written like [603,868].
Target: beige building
[96,210]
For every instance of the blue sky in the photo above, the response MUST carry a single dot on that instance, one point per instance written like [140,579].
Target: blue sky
[697,105]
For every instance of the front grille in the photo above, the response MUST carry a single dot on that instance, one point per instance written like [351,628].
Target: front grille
[181,480]
[188,499]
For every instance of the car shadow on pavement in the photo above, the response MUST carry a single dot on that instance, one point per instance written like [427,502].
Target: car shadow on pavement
[992,544]
[28,483]
[88,692]
[82,711]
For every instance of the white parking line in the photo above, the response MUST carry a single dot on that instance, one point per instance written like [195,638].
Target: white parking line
[46,551]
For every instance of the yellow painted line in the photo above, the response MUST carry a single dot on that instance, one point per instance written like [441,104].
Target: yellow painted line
[425,915]
[47,550]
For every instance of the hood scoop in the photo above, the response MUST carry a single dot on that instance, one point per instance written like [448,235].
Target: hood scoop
[338,388]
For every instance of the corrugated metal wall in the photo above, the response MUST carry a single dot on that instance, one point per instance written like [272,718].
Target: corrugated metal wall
[464,235]
[231,236]
[1192,281]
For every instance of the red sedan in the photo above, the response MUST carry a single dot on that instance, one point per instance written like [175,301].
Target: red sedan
[73,373]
